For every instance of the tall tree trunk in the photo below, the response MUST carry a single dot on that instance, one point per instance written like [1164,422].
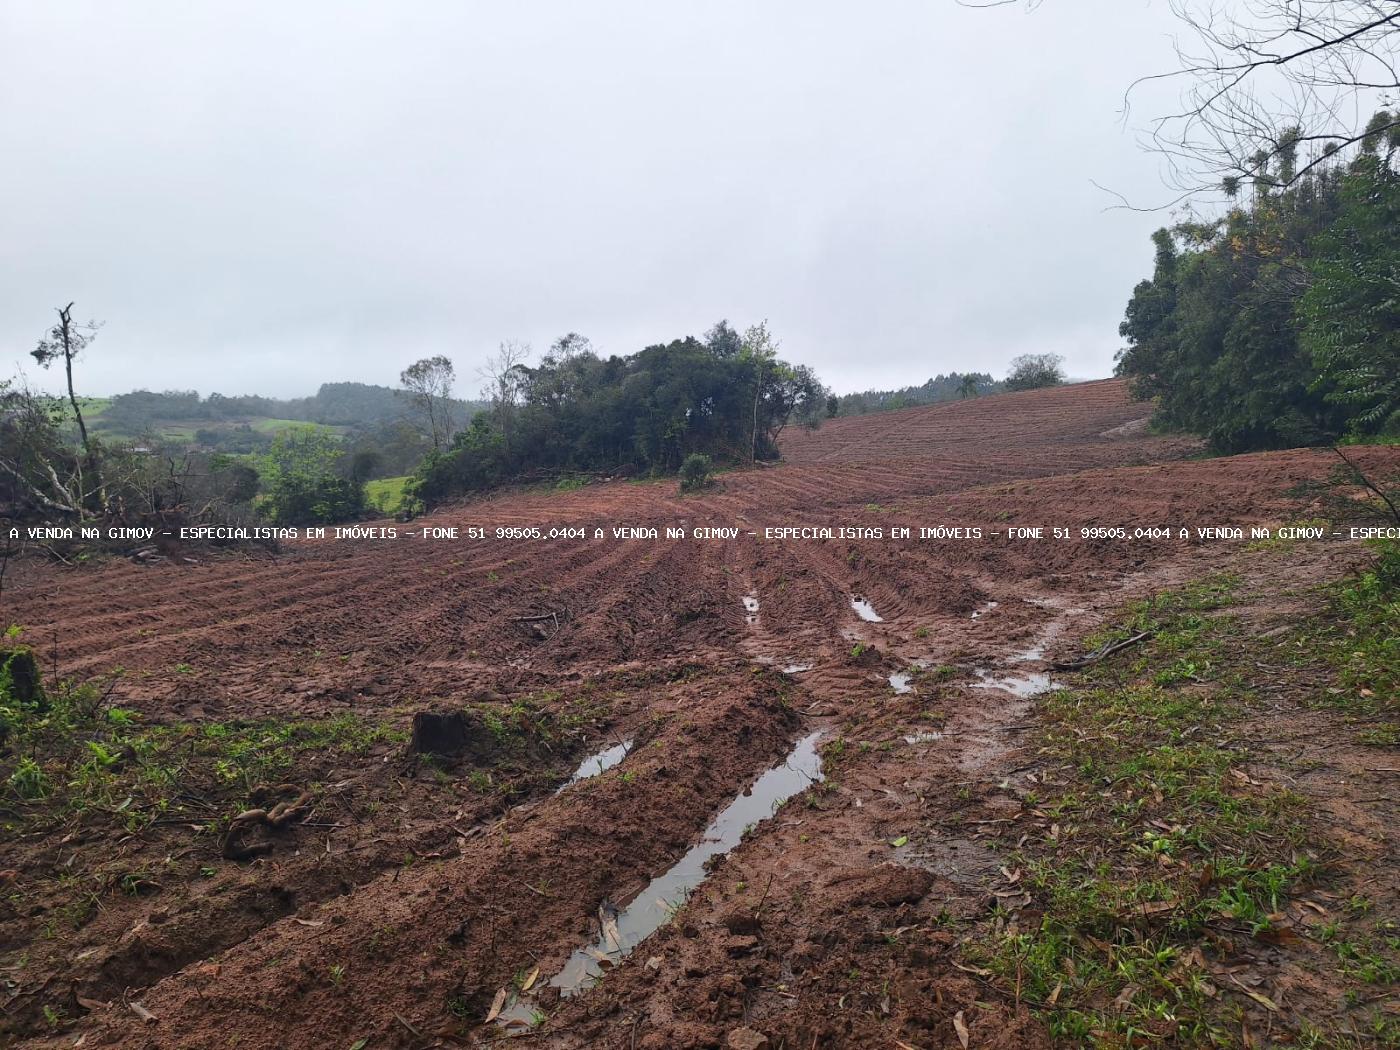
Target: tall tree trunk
[757,393]
[65,317]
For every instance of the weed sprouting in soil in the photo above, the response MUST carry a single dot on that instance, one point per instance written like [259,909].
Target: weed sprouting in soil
[79,755]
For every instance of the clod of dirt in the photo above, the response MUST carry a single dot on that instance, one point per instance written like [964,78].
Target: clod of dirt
[439,734]
[739,921]
[888,885]
[862,655]
[746,1039]
[451,734]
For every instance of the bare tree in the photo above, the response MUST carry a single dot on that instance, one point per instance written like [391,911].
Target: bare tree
[1275,87]
[44,476]
[429,384]
[503,373]
[1270,89]
[65,341]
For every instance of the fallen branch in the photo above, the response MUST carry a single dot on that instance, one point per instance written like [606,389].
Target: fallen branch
[537,617]
[1090,658]
[1368,483]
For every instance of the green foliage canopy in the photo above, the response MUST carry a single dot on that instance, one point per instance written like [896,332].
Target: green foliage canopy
[726,397]
[1275,325]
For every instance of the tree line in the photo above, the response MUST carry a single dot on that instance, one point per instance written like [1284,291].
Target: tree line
[726,396]
[1278,324]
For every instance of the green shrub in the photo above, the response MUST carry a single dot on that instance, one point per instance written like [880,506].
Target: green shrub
[695,472]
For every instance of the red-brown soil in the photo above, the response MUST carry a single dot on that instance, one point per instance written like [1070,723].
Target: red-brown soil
[417,898]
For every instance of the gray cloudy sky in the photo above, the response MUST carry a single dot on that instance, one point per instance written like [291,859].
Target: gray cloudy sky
[258,197]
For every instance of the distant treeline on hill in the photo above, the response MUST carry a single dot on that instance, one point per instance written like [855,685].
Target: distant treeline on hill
[950,387]
[334,404]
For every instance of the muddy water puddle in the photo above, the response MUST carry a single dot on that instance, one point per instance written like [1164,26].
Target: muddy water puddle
[902,681]
[623,930]
[750,608]
[1020,685]
[598,763]
[865,610]
[1029,683]
[924,737]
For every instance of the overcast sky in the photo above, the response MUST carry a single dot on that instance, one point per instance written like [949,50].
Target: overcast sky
[259,197]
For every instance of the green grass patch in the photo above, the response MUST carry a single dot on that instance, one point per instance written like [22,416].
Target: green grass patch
[277,426]
[386,494]
[1163,854]
[1360,640]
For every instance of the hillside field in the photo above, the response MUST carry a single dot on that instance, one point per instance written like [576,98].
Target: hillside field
[927,835]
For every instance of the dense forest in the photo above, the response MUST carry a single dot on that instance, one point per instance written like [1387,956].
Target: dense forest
[726,397]
[1278,324]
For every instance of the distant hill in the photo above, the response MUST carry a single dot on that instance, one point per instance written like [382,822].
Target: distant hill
[948,387]
[348,405]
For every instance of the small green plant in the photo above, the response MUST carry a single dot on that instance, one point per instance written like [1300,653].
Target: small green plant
[29,781]
[695,472]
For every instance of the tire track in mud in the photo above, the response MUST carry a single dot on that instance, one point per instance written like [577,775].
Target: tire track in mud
[807,897]
[431,943]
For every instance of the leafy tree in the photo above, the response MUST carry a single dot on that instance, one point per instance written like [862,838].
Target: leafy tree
[305,482]
[239,481]
[1351,313]
[1033,371]
[1273,325]
[363,464]
[723,341]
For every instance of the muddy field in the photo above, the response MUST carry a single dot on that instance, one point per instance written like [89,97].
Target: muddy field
[889,686]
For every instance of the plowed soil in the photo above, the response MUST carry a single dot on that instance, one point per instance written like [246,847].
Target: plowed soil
[395,912]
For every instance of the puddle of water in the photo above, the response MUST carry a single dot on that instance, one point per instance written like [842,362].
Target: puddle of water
[979,613]
[865,610]
[751,608]
[900,682]
[925,737]
[600,763]
[655,905]
[796,668]
[1022,685]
